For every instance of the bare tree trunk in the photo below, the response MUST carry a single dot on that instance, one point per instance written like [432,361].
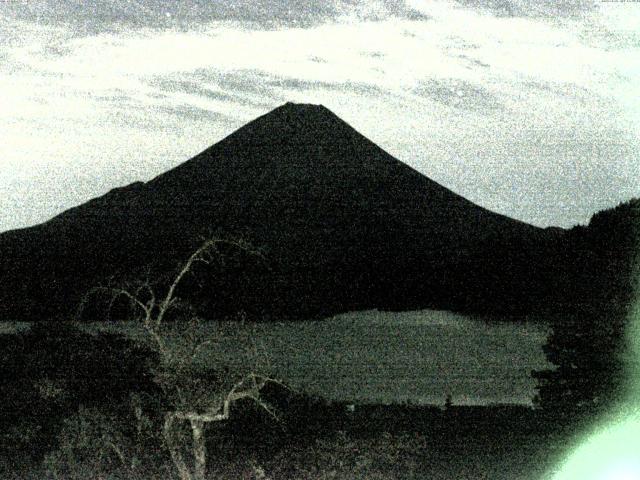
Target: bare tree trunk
[199,450]
[176,456]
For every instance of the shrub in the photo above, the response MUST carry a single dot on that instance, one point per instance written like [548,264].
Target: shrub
[50,371]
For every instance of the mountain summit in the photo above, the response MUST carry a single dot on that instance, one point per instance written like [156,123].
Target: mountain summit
[343,225]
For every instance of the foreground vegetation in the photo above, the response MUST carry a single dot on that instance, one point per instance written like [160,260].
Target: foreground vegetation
[311,440]
[79,405]
[164,404]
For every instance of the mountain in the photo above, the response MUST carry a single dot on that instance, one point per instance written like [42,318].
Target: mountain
[343,225]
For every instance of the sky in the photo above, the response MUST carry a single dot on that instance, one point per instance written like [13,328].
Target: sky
[530,109]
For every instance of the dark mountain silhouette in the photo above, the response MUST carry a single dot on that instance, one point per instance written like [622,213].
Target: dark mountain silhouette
[343,226]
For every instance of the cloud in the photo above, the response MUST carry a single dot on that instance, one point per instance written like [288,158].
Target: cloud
[190,112]
[460,94]
[532,8]
[112,16]
[208,87]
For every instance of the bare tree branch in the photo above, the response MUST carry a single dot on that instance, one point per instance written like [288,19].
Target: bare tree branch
[193,399]
[174,451]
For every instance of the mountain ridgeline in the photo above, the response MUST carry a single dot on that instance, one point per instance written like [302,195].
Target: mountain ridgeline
[342,226]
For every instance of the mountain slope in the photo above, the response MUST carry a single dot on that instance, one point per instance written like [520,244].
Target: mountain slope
[343,224]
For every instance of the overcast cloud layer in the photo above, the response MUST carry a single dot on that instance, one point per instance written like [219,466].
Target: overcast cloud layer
[527,108]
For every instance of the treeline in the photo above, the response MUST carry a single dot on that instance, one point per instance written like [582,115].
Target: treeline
[593,291]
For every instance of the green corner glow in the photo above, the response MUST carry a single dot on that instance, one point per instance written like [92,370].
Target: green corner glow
[612,452]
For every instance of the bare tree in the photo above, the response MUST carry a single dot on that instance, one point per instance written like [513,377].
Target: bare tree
[197,393]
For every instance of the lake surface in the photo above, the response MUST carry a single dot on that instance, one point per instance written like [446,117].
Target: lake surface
[384,357]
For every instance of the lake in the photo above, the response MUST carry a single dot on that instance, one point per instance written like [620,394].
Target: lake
[385,357]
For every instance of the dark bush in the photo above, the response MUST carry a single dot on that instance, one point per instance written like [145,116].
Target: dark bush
[50,371]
